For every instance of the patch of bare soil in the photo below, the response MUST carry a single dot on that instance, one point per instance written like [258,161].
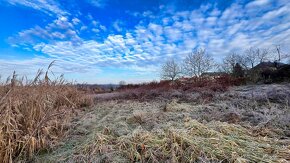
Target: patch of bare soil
[245,124]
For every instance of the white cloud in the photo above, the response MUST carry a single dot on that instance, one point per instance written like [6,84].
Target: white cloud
[103,28]
[89,17]
[173,34]
[84,28]
[76,21]
[60,29]
[275,13]
[95,30]
[46,6]
[98,3]
[258,3]
[118,25]
[166,34]
[95,23]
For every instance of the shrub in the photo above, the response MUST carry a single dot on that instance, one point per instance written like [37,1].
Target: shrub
[194,84]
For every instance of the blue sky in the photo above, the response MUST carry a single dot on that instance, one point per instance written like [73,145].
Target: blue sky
[105,41]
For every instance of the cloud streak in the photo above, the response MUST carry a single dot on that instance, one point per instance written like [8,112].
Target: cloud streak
[46,6]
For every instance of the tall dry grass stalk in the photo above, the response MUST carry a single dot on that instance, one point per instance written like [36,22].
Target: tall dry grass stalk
[35,115]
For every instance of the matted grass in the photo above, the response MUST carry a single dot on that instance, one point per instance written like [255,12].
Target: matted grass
[214,142]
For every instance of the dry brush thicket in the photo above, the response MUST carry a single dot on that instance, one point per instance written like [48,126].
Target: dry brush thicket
[179,88]
[35,115]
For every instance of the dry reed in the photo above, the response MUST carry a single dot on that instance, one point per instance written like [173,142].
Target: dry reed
[35,115]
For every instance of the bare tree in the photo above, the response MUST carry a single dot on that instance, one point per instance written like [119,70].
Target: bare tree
[278,48]
[281,55]
[251,55]
[170,70]
[197,63]
[231,60]
[262,54]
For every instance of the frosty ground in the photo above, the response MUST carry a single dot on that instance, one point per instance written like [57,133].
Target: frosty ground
[245,123]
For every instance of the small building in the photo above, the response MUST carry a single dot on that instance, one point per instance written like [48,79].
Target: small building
[267,65]
[268,72]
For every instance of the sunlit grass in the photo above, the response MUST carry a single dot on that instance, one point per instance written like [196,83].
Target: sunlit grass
[35,115]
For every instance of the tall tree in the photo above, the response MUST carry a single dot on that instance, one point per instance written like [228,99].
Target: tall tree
[280,54]
[238,71]
[170,70]
[251,55]
[262,54]
[197,63]
[278,48]
[231,60]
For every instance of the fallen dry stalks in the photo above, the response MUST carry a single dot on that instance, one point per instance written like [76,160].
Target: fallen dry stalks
[215,141]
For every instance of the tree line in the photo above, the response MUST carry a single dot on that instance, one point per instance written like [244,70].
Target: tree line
[199,61]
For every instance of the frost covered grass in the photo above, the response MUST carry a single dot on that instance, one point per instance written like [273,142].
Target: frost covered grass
[193,142]
[234,126]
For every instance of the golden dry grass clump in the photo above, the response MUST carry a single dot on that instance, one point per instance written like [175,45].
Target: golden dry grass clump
[194,142]
[35,115]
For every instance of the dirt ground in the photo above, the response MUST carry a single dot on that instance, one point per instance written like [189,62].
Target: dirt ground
[262,108]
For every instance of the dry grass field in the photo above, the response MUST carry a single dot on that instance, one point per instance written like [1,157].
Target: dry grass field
[47,120]
[241,124]
[145,81]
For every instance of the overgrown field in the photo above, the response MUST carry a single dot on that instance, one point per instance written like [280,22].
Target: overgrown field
[240,124]
[36,115]
[204,120]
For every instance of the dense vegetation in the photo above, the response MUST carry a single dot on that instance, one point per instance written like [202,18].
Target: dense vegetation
[35,115]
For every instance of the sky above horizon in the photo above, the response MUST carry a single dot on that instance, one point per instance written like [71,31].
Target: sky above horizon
[106,41]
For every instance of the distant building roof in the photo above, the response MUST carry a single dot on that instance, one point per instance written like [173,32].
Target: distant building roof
[264,65]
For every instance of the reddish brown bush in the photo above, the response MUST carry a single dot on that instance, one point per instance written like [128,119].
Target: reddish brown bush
[163,88]
[147,86]
[227,80]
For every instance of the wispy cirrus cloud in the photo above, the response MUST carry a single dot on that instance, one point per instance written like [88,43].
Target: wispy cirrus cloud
[118,25]
[47,6]
[98,3]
